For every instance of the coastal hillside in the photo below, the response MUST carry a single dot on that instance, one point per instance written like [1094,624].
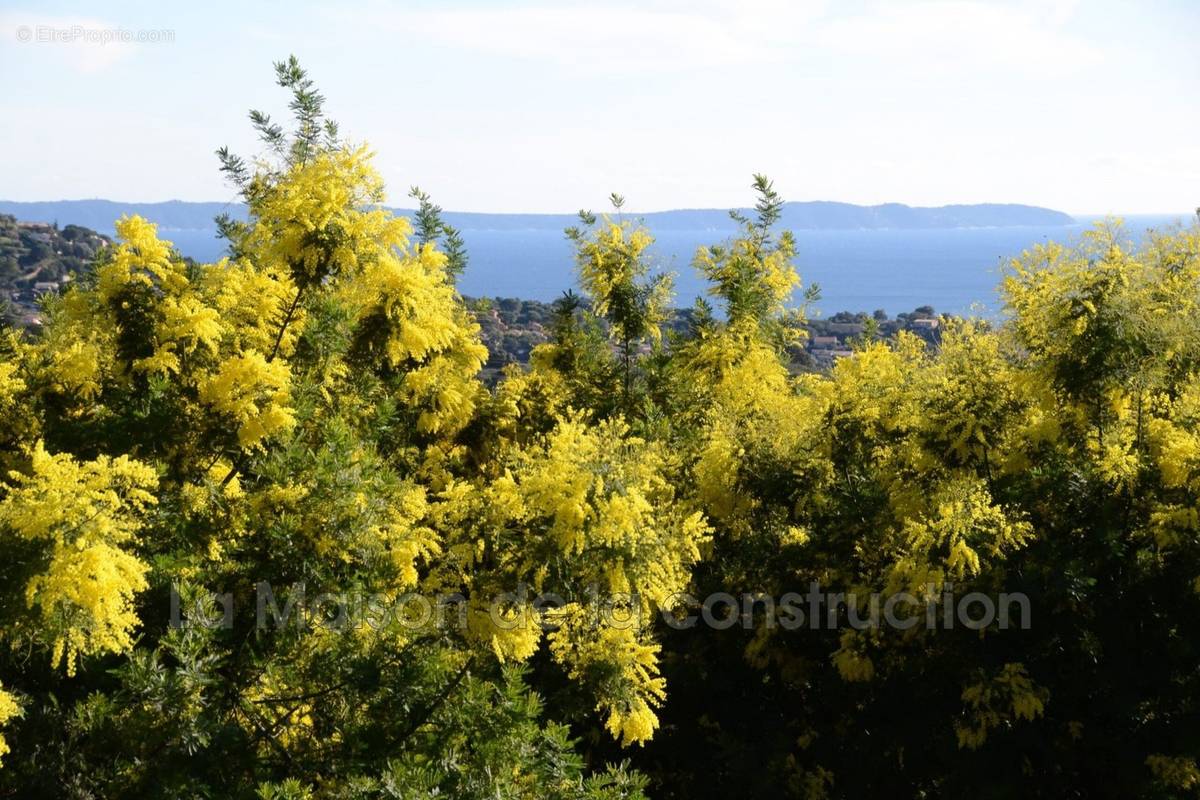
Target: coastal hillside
[39,257]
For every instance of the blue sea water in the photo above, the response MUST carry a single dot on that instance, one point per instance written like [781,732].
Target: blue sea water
[954,270]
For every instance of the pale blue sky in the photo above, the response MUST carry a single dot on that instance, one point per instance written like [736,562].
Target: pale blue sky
[537,105]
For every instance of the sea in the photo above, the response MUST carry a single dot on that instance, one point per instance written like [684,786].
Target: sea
[955,270]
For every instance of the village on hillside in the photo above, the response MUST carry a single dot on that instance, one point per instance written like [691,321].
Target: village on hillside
[37,258]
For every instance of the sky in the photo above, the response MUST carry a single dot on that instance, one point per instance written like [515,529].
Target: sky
[550,105]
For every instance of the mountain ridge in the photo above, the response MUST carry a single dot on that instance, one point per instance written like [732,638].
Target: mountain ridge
[99,214]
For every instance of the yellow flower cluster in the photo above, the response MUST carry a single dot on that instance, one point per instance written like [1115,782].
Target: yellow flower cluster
[513,633]
[745,268]
[426,333]
[8,709]
[140,257]
[85,512]
[75,369]
[311,222]
[254,392]
[187,323]
[1008,696]
[209,335]
[970,396]
[1177,772]
[963,520]
[270,704]
[851,660]
[594,501]
[601,497]
[757,413]
[631,686]
[1175,438]
[611,260]
[10,384]
[252,303]
[406,539]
